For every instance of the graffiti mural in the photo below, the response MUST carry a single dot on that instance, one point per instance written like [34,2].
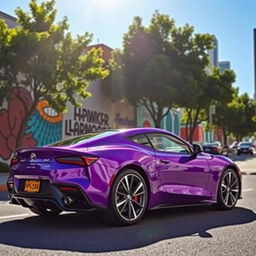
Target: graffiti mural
[86,120]
[44,120]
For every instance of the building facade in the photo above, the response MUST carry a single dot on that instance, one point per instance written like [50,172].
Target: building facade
[10,20]
[214,53]
[170,122]
[97,112]
[224,65]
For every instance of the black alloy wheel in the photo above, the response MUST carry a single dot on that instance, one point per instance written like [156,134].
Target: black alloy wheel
[128,199]
[229,190]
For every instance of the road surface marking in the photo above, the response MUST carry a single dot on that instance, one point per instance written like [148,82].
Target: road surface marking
[14,216]
[247,189]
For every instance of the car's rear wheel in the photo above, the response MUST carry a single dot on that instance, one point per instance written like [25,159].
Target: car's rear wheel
[44,211]
[128,198]
[229,190]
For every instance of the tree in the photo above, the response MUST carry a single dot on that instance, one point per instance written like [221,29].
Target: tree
[202,90]
[43,57]
[143,68]
[226,115]
[237,116]
[157,61]
[245,123]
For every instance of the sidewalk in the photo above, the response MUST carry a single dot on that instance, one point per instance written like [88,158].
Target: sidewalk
[3,179]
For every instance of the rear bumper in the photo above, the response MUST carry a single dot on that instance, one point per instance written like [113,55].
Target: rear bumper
[53,197]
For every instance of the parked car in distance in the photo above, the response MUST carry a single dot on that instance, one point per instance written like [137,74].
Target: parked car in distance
[233,146]
[214,148]
[245,147]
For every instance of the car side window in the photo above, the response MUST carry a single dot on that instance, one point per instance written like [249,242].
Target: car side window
[141,139]
[162,142]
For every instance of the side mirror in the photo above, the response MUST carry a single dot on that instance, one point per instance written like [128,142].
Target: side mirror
[197,149]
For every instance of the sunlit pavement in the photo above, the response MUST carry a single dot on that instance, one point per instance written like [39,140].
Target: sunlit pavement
[184,231]
[247,163]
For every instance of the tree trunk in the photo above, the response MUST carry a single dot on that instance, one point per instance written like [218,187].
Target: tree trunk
[186,128]
[193,124]
[191,133]
[157,123]
[158,117]
[224,136]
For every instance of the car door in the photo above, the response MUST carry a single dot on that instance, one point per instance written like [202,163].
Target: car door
[181,172]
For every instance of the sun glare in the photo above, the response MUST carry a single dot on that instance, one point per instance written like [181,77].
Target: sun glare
[106,3]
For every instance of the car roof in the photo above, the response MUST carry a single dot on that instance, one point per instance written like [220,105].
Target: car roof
[131,131]
[115,136]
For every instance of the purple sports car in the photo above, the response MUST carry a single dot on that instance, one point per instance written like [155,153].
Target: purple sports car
[122,172]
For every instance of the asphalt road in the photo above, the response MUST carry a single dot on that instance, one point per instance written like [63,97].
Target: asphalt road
[180,231]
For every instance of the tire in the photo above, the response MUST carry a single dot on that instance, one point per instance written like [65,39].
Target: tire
[45,212]
[128,198]
[228,190]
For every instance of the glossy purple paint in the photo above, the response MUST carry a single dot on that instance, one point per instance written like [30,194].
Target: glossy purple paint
[180,179]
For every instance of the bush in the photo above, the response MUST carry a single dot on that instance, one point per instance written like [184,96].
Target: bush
[4,167]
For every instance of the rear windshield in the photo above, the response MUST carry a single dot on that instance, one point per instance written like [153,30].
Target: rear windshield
[83,138]
[210,145]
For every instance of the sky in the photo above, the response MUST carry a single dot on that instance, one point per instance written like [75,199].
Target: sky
[231,21]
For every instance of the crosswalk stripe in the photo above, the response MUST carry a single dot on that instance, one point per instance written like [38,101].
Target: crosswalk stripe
[14,216]
[247,189]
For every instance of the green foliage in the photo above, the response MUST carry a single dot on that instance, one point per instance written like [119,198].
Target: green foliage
[204,90]
[42,56]
[161,64]
[4,167]
[237,117]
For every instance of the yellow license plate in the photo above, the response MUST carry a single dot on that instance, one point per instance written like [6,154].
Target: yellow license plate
[32,186]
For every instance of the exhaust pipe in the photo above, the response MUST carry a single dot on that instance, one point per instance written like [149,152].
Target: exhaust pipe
[68,200]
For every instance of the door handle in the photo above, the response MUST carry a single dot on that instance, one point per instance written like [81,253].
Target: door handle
[164,161]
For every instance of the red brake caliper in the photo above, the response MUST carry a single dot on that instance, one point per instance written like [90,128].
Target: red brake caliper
[136,198]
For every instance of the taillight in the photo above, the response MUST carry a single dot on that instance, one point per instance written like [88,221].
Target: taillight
[14,161]
[89,160]
[68,189]
[214,148]
[78,160]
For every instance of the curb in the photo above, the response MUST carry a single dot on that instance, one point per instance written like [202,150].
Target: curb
[3,188]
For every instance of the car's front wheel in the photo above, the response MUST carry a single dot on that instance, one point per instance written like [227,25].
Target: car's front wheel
[229,190]
[128,198]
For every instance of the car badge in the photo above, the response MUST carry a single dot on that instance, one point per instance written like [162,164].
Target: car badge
[33,156]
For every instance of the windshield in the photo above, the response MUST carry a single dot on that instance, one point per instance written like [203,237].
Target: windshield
[211,144]
[246,144]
